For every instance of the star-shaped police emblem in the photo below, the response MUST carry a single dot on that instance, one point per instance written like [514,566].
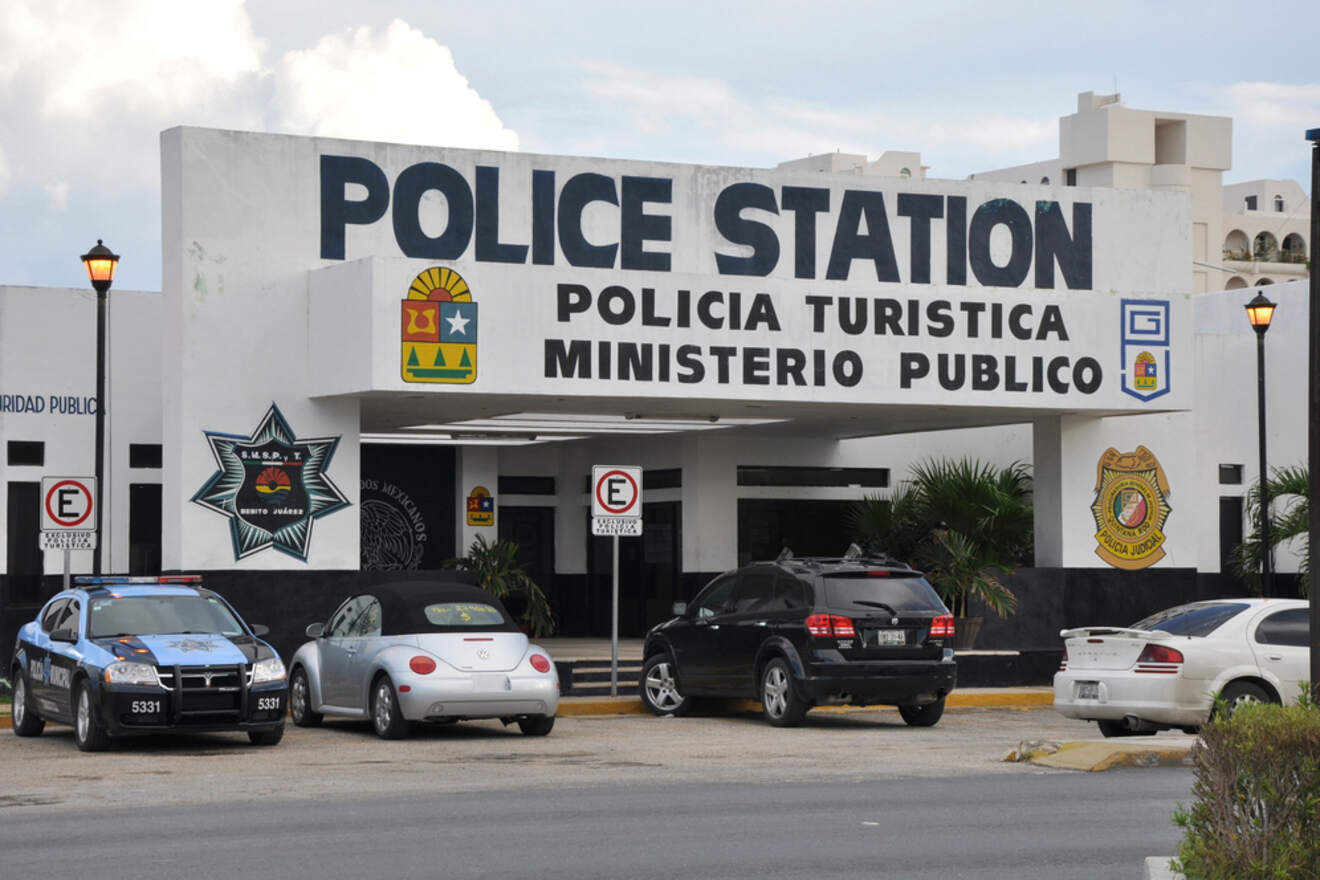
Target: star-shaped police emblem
[271,485]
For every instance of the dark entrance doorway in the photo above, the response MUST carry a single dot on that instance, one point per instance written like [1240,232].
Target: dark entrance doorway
[808,528]
[650,569]
[533,530]
[144,528]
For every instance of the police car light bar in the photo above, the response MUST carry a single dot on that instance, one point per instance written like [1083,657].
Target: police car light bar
[145,579]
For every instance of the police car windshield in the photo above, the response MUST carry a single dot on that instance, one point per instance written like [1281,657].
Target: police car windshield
[149,615]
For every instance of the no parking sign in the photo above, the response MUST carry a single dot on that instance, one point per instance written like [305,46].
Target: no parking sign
[67,507]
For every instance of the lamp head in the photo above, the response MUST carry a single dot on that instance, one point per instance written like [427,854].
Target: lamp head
[100,263]
[1260,311]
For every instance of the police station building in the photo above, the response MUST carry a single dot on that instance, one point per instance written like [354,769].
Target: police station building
[366,355]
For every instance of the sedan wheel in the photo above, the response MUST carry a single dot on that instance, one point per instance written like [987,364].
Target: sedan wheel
[1241,692]
[87,730]
[780,704]
[659,690]
[26,721]
[385,714]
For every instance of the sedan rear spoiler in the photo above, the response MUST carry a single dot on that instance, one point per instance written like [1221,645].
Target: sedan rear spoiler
[1087,631]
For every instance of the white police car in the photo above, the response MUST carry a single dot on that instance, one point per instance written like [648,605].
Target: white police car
[127,655]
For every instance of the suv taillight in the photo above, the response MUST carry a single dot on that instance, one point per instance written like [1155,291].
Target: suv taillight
[941,627]
[827,625]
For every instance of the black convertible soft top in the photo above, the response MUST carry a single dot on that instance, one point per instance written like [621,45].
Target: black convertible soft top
[403,606]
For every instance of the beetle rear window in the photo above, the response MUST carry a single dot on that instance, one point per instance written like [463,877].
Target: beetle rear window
[1192,620]
[869,591]
[474,614]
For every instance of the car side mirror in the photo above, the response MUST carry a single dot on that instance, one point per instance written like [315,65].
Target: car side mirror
[315,630]
[680,609]
[260,629]
[64,635]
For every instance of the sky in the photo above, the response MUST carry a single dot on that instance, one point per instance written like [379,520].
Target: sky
[86,87]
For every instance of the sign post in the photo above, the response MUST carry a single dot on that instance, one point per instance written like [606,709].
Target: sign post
[67,503]
[616,509]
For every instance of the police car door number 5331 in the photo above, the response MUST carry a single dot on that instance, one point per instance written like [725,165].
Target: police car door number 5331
[267,703]
[145,707]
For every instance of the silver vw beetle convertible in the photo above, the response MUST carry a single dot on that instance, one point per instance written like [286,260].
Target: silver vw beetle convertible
[422,652]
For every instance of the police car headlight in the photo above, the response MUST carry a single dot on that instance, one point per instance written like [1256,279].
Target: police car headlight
[271,669]
[131,673]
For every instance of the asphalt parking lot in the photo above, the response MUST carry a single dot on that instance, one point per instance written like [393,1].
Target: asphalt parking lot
[49,773]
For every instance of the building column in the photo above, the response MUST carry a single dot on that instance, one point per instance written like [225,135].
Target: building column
[1047,490]
[475,466]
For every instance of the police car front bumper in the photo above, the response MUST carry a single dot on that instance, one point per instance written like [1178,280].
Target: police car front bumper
[127,709]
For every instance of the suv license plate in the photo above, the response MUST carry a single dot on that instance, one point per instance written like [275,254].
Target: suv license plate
[891,637]
[1088,690]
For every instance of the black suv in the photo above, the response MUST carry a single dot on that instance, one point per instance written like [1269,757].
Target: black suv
[796,633]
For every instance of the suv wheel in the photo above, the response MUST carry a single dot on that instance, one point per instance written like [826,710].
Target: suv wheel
[922,716]
[779,702]
[659,690]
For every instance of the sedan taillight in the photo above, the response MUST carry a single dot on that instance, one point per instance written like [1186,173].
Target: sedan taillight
[1063,664]
[1159,659]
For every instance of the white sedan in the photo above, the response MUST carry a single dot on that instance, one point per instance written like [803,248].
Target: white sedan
[1165,671]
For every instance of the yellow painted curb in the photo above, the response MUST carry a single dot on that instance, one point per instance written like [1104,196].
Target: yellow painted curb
[1094,757]
[1007,699]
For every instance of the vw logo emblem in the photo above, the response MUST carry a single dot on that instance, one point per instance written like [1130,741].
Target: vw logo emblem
[483,653]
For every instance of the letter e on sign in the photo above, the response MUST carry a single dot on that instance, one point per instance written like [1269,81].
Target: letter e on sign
[616,491]
[67,502]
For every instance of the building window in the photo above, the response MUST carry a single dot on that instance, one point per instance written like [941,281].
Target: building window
[27,453]
[664,478]
[513,485]
[1251,203]
[1070,177]
[905,172]
[1265,247]
[1230,475]
[1045,180]
[866,478]
[144,455]
[1278,203]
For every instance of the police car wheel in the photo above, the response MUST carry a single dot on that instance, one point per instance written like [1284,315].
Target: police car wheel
[26,720]
[88,732]
[266,737]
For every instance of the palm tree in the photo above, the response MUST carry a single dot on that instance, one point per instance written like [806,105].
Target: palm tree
[499,573]
[961,521]
[1290,511]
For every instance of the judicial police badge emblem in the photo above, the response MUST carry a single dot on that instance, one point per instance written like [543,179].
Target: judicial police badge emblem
[1130,508]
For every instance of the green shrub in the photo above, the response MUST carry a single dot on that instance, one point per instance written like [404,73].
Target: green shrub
[1257,789]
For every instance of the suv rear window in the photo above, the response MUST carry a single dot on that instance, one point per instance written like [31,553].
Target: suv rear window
[1192,620]
[863,590]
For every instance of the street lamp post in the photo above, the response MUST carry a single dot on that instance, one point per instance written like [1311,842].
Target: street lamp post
[100,263]
[1260,311]
[1313,426]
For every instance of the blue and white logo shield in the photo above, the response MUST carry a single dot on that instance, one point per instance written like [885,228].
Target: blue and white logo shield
[1144,347]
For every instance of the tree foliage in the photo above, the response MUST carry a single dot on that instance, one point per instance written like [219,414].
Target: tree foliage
[1290,511]
[962,521]
[499,573]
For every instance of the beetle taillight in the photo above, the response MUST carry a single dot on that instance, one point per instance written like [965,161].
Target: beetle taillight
[540,663]
[422,665]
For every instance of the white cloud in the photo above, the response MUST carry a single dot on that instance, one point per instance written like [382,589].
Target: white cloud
[4,172]
[1270,121]
[57,193]
[399,85]
[91,60]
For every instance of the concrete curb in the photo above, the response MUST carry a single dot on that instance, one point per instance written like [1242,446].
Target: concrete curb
[988,698]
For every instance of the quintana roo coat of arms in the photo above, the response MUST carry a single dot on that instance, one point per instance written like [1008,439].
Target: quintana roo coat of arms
[438,337]
[1130,508]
